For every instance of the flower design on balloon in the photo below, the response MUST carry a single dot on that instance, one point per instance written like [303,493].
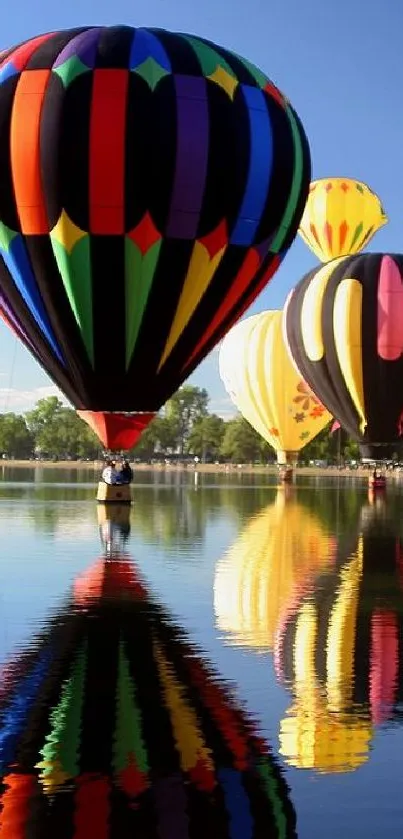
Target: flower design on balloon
[317,411]
[305,396]
[306,399]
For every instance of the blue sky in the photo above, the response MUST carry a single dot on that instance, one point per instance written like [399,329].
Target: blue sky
[340,64]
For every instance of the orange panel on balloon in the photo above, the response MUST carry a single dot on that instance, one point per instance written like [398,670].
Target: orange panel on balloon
[25,151]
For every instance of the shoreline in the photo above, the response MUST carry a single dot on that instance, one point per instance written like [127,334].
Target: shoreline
[212,468]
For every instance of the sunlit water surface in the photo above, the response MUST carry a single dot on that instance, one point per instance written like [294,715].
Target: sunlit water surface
[225,657]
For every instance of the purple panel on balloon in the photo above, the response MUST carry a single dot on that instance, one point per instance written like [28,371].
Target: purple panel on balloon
[171,804]
[191,157]
[83,46]
[263,247]
[9,314]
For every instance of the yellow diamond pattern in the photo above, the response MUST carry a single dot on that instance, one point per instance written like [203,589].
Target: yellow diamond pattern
[66,232]
[224,80]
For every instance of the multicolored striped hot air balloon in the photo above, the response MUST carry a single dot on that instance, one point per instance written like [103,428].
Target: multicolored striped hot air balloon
[341,216]
[152,182]
[339,652]
[112,725]
[343,324]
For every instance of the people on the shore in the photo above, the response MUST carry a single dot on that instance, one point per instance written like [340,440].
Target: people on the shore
[110,473]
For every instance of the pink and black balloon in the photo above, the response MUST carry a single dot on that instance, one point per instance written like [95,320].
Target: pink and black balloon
[344,327]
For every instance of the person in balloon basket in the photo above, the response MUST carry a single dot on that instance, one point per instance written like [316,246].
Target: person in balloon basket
[110,473]
[125,474]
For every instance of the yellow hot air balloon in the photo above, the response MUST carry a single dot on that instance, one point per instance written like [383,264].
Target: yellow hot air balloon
[264,385]
[276,558]
[341,216]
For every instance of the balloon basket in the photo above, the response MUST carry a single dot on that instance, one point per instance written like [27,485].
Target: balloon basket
[114,493]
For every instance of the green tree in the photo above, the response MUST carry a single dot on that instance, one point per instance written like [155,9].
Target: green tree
[15,438]
[351,450]
[241,443]
[145,447]
[161,434]
[206,436]
[88,443]
[46,411]
[166,433]
[69,436]
[187,405]
[59,432]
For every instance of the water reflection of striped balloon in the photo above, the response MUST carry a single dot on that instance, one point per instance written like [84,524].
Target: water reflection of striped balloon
[112,726]
[275,558]
[340,652]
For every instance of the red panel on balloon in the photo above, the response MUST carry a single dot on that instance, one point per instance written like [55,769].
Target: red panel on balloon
[116,431]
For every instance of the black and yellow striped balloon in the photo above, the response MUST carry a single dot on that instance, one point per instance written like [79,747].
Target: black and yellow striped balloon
[343,323]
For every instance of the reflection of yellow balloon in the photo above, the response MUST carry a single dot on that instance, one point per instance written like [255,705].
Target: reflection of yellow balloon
[280,551]
[264,385]
[320,731]
[313,738]
[341,216]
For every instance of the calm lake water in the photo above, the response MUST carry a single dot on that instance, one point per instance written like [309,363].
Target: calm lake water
[223,660]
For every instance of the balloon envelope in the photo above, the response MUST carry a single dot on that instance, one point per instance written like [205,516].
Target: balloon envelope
[116,431]
[151,185]
[344,327]
[261,380]
[341,216]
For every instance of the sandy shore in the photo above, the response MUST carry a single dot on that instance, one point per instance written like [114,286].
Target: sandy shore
[96,466]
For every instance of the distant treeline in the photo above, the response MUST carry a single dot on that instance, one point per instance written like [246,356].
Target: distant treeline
[185,428]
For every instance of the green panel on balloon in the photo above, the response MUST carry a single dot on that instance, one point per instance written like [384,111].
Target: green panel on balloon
[6,236]
[260,78]
[61,751]
[357,233]
[69,71]
[128,734]
[139,275]
[75,271]
[294,195]
[151,72]
[209,59]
